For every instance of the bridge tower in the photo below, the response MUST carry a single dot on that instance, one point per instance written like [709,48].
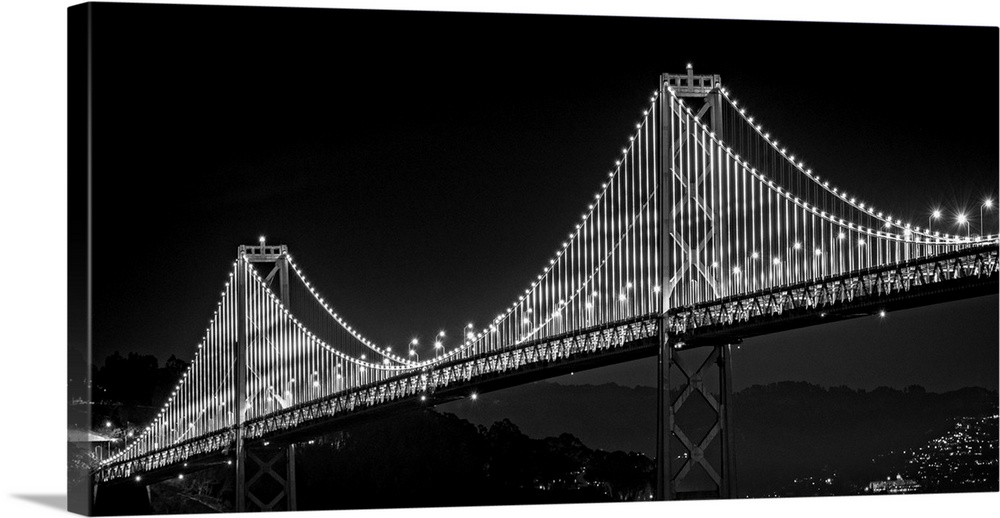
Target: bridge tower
[265,475]
[694,452]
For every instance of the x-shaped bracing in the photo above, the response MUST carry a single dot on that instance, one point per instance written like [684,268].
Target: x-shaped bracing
[689,196]
[695,382]
[266,468]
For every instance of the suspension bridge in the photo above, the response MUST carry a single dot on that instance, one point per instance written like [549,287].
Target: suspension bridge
[705,232]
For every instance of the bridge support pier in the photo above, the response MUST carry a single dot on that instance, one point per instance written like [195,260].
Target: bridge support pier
[268,481]
[694,450]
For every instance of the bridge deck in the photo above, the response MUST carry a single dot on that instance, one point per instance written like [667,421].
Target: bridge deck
[962,274]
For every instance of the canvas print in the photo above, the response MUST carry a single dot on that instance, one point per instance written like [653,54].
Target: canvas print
[328,259]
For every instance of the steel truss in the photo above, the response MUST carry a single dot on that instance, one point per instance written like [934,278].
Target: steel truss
[549,352]
[870,286]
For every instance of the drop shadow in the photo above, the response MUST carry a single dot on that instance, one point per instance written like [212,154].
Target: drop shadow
[50,500]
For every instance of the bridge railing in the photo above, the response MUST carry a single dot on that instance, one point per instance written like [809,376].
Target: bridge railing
[978,262]
[422,383]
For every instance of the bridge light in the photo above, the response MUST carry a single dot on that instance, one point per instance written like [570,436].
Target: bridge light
[841,235]
[819,252]
[797,246]
[776,261]
[754,255]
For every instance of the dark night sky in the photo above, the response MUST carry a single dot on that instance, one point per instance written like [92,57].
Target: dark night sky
[422,167]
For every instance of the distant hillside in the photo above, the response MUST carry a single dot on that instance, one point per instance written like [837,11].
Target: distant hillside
[607,417]
[784,430]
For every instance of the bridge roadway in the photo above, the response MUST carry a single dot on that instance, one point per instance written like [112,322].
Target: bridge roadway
[956,275]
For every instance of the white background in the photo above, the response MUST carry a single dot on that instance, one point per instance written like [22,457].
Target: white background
[33,243]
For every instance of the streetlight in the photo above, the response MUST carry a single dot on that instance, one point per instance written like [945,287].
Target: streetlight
[963,220]
[935,215]
[437,342]
[987,204]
